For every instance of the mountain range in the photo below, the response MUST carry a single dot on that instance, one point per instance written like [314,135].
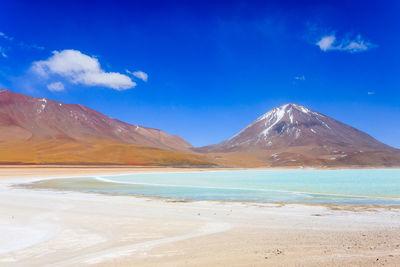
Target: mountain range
[43,131]
[39,130]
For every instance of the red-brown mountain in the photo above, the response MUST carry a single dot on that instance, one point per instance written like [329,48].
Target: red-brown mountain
[42,125]
[296,135]
[39,130]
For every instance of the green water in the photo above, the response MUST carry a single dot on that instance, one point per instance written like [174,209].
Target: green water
[369,187]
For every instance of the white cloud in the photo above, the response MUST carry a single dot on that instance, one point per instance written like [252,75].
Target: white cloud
[356,45]
[139,74]
[3,35]
[56,87]
[2,53]
[371,93]
[326,43]
[81,69]
[300,78]
[22,45]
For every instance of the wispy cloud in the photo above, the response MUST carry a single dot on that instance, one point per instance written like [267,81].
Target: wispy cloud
[56,87]
[139,74]
[5,36]
[371,93]
[79,68]
[356,45]
[300,78]
[2,52]
[12,41]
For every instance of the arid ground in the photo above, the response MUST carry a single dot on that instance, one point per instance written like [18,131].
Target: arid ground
[47,228]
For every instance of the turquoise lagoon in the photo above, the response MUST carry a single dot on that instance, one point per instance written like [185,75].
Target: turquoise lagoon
[355,187]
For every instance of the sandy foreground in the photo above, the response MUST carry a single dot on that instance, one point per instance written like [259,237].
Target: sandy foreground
[47,228]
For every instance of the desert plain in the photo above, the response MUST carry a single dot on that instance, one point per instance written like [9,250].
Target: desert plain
[59,228]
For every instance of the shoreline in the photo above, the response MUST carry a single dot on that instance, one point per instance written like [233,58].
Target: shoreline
[349,207]
[103,230]
[182,168]
[73,170]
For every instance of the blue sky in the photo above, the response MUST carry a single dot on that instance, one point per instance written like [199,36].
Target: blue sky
[205,70]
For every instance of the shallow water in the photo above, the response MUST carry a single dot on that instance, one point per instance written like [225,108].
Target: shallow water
[369,187]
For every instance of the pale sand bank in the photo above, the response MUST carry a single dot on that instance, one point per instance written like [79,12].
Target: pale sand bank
[45,228]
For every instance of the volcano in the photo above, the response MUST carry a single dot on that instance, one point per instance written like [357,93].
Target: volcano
[295,135]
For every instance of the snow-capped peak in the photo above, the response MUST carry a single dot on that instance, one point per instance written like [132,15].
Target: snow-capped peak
[287,120]
[278,114]
[275,116]
[292,125]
